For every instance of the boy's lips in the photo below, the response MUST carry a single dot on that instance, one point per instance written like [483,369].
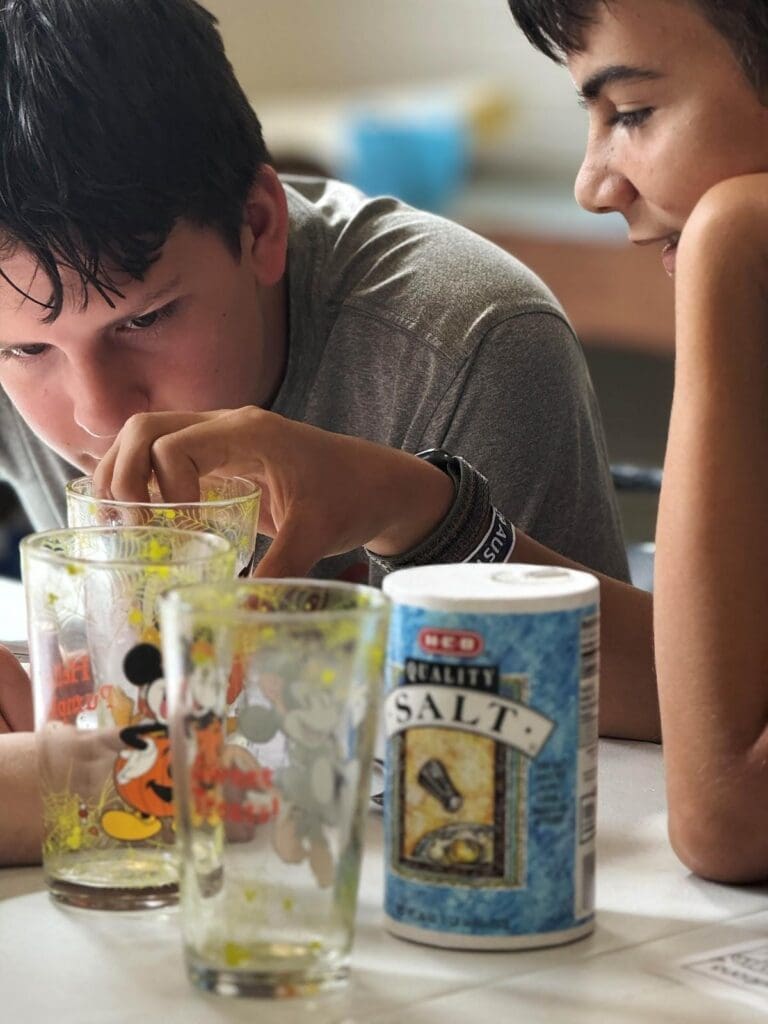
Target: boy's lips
[669,256]
[668,252]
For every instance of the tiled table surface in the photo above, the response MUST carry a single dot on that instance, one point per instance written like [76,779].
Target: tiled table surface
[76,967]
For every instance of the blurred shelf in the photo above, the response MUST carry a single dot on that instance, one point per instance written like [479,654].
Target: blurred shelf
[546,210]
[615,294]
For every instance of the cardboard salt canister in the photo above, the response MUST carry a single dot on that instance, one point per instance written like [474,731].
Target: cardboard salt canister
[491,755]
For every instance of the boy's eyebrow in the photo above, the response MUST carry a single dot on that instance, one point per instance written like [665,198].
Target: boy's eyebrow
[596,82]
[159,293]
[149,300]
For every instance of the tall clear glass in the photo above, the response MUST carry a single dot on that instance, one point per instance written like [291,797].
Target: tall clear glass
[100,707]
[228,506]
[274,688]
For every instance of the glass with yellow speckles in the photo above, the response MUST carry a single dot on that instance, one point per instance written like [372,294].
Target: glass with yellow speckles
[273,689]
[100,709]
[228,506]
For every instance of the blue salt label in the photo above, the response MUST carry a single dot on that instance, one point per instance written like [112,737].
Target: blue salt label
[491,777]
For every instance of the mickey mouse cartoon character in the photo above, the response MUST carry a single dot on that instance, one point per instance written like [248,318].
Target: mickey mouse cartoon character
[143,771]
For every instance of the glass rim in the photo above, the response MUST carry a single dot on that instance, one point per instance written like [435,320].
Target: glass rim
[180,600]
[254,492]
[32,546]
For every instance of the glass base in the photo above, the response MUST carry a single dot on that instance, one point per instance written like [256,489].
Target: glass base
[115,880]
[87,897]
[266,984]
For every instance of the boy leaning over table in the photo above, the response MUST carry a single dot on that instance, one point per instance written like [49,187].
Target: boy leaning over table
[677,97]
[169,305]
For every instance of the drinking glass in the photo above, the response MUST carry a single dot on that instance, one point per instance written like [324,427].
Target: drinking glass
[100,708]
[273,688]
[228,506]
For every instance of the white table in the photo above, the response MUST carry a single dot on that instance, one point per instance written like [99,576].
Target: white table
[79,967]
[13,613]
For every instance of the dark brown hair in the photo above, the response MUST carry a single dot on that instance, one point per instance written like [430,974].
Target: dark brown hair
[118,118]
[556,27]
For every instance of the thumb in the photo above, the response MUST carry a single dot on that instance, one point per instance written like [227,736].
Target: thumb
[291,553]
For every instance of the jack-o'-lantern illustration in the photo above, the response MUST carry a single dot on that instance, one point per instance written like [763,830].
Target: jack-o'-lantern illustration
[206,772]
[143,776]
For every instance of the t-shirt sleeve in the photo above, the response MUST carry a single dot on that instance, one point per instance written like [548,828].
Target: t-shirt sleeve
[522,411]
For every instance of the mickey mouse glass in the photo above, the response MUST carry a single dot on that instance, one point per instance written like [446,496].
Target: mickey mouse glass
[273,689]
[100,708]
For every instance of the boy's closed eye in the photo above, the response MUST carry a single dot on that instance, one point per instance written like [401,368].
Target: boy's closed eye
[143,323]
[630,118]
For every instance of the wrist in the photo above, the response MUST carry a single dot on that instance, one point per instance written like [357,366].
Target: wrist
[422,501]
[472,530]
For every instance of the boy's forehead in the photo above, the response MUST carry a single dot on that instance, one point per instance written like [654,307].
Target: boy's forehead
[25,292]
[644,33]
[25,289]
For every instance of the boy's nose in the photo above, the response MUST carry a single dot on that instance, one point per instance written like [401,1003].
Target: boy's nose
[601,189]
[103,399]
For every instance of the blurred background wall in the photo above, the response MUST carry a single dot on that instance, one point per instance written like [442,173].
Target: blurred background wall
[306,48]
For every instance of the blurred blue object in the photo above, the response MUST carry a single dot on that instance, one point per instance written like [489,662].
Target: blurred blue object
[420,157]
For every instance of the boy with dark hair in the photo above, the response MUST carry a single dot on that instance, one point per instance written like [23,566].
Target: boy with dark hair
[676,92]
[153,262]
[168,305]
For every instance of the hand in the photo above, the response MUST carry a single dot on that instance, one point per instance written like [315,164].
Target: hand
[740,203]
[723,254]
[78,760]
[15,695]
[323,493]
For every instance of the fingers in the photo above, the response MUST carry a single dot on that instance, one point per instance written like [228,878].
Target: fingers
[175,468]
[125,471]
[152,443]
[322,493]
[86,758]
[15,695]
[293,552]
[109,481]
[226,443]
[179,448]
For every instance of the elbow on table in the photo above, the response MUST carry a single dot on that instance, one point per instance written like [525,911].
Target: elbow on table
[728,846]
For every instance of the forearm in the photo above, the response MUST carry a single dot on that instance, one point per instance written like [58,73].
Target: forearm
[20,807]
[711,584]
[711,614]
[629,705]
[628,700]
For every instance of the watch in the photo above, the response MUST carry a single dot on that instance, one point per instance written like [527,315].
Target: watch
[472,530]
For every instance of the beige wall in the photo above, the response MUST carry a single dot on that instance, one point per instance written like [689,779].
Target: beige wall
[320,46]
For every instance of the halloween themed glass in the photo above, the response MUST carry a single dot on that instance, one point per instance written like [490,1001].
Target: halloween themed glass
[228,506]
[273,689]
[100,711]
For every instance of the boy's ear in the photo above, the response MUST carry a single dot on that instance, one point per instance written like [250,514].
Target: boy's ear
[265,229]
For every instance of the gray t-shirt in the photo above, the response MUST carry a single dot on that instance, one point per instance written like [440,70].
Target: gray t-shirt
[411,331]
